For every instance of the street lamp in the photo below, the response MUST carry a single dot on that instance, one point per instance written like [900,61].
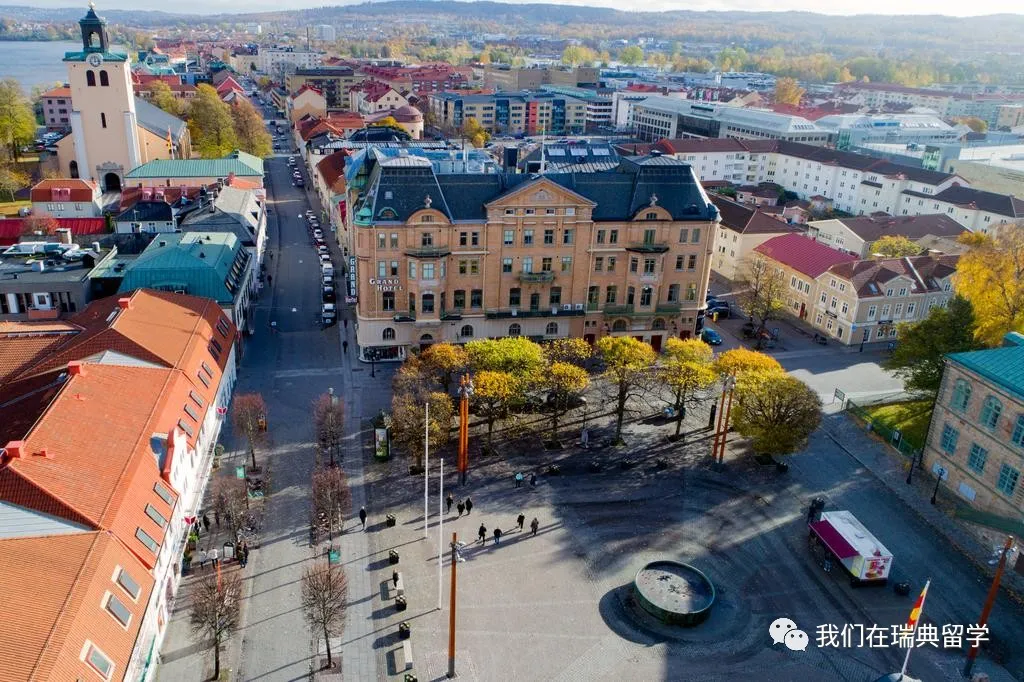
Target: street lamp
[941,472]
[465,391]
[910,473]
[372,354]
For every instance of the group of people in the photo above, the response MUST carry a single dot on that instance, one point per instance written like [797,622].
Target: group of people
[520,520]
[464,506]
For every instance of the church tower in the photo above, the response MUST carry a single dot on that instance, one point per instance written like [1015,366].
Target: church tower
[103,121]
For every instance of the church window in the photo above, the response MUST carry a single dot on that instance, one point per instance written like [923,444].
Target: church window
[90,78]
[104,80]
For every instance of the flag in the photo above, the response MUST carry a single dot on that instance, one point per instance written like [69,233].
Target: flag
[915,613]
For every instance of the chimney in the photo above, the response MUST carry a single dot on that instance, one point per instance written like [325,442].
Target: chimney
[44,453]
[124,303]
[76,367]
[15,449]
[231,179]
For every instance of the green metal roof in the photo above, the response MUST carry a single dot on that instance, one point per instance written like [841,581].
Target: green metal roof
[208,264]
[1002,366]
[107,56]
[240,163]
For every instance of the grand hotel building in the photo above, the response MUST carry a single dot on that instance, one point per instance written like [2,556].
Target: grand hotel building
[446,256]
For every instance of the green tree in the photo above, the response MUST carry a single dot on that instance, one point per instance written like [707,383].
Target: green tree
[475,133]
[12,180]
[17,117]
[250,131]
[894,246]
[562,384]
[991,276]
[493,395]
[788,91]
[162,96]
[776,412]
[210,124]
[572,55]
[631,56]
[517,355]
[688,371]
[919,356]
[627,367]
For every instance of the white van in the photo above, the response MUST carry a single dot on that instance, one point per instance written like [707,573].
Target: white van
[327,269]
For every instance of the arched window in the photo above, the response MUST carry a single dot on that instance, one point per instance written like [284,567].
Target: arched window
[961,395]
[551,329]
[658,323]
[73,168]
[90,78]
[619,326]
[104,79]
[467,330]
[389,334]
[514,329]
[990,412]
[1018,432]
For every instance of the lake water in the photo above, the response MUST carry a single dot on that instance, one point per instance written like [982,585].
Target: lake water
[35,63]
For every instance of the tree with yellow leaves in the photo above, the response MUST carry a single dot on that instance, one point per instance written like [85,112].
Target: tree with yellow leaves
[776,412]
[627,367]
[493,395]
[475,133]
[894,246]
[688,370]
[441,362]
[517,355]
[788,91]
[562,383]
[740,361]
[991,276]
[574,350]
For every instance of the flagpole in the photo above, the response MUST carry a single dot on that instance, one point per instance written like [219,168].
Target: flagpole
[440,538]
[426,466]
[915,616]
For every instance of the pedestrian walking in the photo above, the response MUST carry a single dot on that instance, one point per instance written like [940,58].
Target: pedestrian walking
[482,534]
[533,480]
[362,516]
[206,522]
[216,517]
[270,279]
[534,525]
[450,500]
[519,479]
[461,506]
[497,535]
[469,506]
[521,519]
[346,323]
[344,346]
[242,558]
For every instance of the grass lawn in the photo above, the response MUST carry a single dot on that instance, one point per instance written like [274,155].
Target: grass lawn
[10,208]
[911,418]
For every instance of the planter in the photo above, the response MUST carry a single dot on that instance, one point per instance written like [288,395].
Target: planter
[409,677]
[594,467]
[404,630]
[390,520]
[554,470]
[400,604]
[392,557]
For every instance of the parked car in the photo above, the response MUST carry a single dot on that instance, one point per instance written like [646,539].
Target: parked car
[721,308]
[328,295]
[711,337]
[318,234]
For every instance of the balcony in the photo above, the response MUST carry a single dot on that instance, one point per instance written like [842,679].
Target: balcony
[537,277]
[632,311]
[647,247]
[502,313]
[669,308]
[428,252]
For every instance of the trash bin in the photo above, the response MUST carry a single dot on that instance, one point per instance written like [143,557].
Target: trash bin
[392,557]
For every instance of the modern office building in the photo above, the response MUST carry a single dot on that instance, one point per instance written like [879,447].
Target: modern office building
[512,114]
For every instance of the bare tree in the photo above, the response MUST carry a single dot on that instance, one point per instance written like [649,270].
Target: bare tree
[329,424]
[764,295]
[231,501]
[324,595]
[249,417]
[331,497]
[215,610]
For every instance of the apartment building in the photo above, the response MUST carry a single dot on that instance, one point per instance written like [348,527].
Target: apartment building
[95,508]
[599,105]
[945,103]
[56,105]
[800,261]
[277,61]
[865,300]
[660,116]
[513,79]
[856,235]
[333,82]
[512,114]
[742,229]
[370,96]
[977,428]
[457,256]
[856,183]
[66,198]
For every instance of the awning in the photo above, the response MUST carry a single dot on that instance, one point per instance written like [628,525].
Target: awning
[833,540]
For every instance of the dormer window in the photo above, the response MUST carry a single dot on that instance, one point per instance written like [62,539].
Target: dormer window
[162,492]
[156,516]
[146,539]
[116,608]
[128,584]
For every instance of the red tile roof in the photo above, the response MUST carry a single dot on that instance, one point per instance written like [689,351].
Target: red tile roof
[803,254]
[54,595]
[745,219]
[332,170]
[57,92]
[870,276]
[81,191]
[11,228]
